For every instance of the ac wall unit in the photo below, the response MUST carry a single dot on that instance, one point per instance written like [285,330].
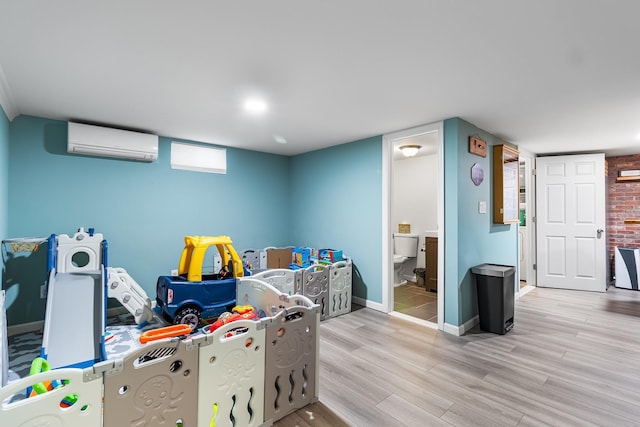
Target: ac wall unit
[108,142]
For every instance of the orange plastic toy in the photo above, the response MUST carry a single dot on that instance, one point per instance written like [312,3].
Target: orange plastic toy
[166,332]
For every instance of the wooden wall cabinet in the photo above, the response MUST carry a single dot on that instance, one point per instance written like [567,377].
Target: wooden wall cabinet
[506,186]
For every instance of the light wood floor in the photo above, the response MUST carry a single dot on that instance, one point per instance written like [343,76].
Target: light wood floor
[572,359]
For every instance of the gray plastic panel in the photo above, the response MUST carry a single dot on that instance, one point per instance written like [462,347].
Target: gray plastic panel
[286,281]
[340,283]
[251,259]
[315,286]
[157,386]
[267,300]
[291,374]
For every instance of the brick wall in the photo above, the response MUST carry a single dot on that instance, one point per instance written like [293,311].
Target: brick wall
[623,203]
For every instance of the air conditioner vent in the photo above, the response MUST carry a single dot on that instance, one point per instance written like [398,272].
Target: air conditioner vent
[101,141]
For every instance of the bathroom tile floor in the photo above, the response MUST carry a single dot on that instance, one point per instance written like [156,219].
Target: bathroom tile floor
[413,300]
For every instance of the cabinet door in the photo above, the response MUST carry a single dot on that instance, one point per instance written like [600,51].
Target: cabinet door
[431,274]
[506,187]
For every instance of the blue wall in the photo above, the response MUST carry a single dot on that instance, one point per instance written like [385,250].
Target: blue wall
[471,237]
[144,210]
[326,198]
[4,173]
[338,203]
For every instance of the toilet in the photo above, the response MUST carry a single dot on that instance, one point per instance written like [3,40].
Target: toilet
[405,250]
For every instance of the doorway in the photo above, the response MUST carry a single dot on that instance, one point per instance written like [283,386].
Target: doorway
[572,250]
[527,226]
[413,211]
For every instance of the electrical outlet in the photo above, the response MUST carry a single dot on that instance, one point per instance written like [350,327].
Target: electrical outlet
[174,272]
[43,291]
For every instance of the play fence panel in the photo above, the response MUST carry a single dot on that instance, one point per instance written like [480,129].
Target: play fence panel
[231,375]
[315,286]
[77,403]
[340,284]
[286,281]
[254,260]
[155,385]
[291,380]
[248,373]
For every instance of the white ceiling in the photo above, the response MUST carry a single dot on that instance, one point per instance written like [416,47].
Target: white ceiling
[549,76]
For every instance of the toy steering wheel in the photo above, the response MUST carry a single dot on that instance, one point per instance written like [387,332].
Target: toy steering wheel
[224,272]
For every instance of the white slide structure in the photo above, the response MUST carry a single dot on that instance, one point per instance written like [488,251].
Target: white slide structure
[75,318]
[76,304]
[75,321]
[122,287]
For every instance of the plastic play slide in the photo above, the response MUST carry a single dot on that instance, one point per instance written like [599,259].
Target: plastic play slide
[75,315]
[75,319]
[79,284]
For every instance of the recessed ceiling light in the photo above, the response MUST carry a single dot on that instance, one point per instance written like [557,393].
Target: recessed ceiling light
[279,139]
[255,105]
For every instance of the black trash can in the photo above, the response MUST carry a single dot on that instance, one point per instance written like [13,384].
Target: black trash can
[420,274]
[495,286]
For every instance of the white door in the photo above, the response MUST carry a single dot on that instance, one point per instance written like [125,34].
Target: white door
[570,200]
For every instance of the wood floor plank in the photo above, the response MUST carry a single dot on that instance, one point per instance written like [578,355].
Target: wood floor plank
[573,359]
[408,413]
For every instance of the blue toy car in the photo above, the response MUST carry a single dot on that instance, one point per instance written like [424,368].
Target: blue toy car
[191,296]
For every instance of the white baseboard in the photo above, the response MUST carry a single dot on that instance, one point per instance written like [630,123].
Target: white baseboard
[414,320]
[369,304]
[25,327]
[523,291]
[462,329]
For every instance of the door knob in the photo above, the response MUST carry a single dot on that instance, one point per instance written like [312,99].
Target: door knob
[599,231]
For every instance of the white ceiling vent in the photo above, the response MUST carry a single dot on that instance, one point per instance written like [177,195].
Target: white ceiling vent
[108,142]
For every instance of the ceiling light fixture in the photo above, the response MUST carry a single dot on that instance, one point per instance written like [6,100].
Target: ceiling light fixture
[279,139]
[255,105]
[410,150]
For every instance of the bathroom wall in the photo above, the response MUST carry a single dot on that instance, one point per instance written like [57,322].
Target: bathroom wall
[414,197]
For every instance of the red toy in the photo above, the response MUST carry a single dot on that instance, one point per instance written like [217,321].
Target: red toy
[240,312]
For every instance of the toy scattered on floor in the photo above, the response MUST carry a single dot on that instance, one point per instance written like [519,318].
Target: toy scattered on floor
[192,296]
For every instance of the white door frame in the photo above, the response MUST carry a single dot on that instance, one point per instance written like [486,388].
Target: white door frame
[530,209]
[387,235]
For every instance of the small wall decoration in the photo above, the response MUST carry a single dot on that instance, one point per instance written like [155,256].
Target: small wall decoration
[477,174]
[477,146]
